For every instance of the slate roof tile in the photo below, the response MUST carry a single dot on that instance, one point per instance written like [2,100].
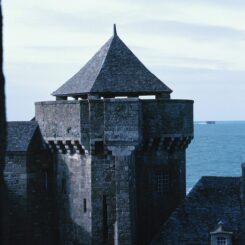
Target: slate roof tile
[114,69]
[19,135]
[213,199]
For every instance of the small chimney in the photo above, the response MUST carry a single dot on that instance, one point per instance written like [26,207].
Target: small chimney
[243,184]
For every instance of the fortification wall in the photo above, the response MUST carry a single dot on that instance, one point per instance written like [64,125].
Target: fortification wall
[64,121]
[59,119]
[73,189]
[30,202]
[122,121]
[15,176]
[106,173]
[167,128]
[114,127]
[167,117]
[160,178]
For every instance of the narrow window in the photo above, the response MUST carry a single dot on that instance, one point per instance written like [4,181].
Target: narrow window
[105,224]
[63,186]
[84,205]
[46,181]
[99,147]
[221,241]
[161,182]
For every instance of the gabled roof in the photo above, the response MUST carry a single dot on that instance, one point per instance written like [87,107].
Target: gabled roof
[220,230]
[19,135]
[114,69]
[211,200]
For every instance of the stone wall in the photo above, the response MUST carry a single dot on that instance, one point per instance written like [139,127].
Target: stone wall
[64,120]
[73,191]
[59,119]
[30,200]
[113,123]
[167,129]
[154,207]
[114,120]
[103,198]
[15,175]
[122,121]
[167,117]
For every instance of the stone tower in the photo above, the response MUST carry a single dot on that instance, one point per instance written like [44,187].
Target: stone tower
[119,160]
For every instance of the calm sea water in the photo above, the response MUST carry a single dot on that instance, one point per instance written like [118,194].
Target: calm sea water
[217,150]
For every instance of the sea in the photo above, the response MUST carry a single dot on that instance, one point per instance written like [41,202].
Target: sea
[217,150]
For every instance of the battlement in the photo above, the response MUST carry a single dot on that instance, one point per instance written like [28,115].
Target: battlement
[130,121]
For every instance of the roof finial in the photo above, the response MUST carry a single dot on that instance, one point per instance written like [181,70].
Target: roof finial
[220,223]
[115,30]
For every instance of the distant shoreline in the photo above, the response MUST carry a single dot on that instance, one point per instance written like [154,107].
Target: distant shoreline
[212,122]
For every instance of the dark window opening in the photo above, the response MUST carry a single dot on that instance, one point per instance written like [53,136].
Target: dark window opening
[84,205]
[99,147]
[46,181]
[63,186]
[105,217]
[161,182]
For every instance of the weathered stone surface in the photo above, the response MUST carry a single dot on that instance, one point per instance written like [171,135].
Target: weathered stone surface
[28,178]
[122,121]
[73,187]
[167,117]
[126,142]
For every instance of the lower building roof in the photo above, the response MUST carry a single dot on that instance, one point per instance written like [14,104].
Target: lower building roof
[19,135]
[213,199]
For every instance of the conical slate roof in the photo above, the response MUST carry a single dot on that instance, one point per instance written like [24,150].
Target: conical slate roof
[114,69]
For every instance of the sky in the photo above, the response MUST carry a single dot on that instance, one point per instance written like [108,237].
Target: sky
[195,47]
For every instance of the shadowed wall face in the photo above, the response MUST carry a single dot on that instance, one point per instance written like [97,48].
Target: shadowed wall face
[28,176]
[167,129]
[73,193]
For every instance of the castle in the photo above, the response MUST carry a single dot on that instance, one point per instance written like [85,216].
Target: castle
[99,165]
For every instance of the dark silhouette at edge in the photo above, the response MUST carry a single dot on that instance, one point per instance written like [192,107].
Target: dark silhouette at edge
[3,193]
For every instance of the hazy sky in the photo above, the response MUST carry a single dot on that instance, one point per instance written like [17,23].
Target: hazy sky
[197,47]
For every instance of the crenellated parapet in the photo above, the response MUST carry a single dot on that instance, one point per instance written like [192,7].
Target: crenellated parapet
[168,143]
[156,123]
